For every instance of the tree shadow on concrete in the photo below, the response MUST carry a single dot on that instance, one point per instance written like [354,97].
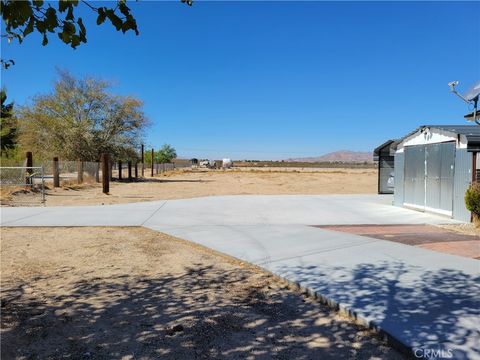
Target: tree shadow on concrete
[205,313]
[438,310]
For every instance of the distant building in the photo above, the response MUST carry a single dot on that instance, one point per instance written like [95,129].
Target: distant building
[434,165]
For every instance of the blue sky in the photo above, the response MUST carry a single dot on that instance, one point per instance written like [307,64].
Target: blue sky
[272,80]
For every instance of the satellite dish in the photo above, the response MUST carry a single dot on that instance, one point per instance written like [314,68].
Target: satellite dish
[470,97]
[473,116]
[473,92]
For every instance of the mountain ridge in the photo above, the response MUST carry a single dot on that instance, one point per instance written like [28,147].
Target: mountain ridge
[347,156]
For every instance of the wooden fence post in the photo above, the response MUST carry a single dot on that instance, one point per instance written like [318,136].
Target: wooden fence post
[105,174]
[79,171]
[143,160]
[29,164]
[119,170]
[56,173]
[97,172]
[153,154]
[129,170]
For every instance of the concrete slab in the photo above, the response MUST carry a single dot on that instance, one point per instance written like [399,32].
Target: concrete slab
[423,299]
[420,297]
[229,210]
[263,244]
[108,215]
[11,215]
[290,209]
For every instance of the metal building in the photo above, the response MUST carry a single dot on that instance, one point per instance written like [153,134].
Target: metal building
[434,165]
[384,154]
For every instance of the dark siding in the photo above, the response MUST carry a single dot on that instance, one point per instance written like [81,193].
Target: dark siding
[399,179]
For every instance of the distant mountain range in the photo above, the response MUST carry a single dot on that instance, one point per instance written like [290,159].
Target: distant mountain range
[346,156]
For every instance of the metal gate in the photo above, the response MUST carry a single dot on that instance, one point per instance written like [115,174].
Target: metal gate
[447,171]
[433,153]
[414,192]
[429,173]
[22,185]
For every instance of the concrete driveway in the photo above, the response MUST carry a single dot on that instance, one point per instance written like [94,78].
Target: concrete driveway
[422,299]
[229,210]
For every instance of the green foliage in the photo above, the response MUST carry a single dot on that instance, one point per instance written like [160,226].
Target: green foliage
[8,126]
[165,155]
[6,63]
[80,119]
[472,198]
[22,18]
[12,157]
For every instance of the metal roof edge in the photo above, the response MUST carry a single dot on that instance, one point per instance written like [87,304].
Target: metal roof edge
[376,151]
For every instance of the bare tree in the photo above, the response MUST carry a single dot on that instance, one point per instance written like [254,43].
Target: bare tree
[80,119]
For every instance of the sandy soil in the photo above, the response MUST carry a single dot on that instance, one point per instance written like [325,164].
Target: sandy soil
[131,293]
[183,184]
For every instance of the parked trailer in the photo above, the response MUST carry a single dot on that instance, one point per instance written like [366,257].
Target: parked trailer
[227,163]
[208,164]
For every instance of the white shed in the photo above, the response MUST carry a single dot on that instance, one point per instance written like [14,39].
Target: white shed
[434,165]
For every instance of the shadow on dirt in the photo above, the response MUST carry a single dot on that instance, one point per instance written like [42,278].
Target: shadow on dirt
[205,313]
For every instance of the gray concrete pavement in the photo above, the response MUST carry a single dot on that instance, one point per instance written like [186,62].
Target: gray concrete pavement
[423,299]
[229,210]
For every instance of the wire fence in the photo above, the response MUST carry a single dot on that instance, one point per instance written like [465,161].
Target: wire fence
[161,168]
[71,172]
[22,185]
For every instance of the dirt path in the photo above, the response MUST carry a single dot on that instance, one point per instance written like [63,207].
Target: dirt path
[131,293]
[182,184]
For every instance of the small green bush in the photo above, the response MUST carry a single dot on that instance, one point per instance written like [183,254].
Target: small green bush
[472,198]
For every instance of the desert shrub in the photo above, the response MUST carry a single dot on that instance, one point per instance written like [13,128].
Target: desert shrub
[472,199]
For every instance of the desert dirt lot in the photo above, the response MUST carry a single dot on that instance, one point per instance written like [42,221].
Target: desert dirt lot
[181,184]
[132,293]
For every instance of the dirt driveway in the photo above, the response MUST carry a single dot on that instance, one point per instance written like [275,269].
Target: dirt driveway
[184,184]
[131,293]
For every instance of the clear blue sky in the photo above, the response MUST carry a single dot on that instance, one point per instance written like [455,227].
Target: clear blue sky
[272,80]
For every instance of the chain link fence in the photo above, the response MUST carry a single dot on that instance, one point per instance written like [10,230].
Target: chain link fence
[71,173]
[22,185]
[161,168]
